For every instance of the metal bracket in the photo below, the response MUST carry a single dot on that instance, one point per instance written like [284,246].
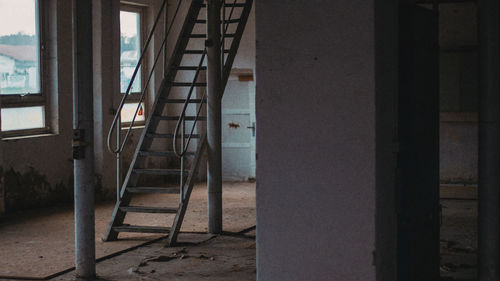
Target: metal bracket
[79,144]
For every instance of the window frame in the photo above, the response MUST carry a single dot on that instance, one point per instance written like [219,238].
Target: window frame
[38,99]
[134,97]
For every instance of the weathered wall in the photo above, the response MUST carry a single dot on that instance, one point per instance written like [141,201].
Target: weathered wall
[459,147]
[315,140]
[38,170]
[458,93]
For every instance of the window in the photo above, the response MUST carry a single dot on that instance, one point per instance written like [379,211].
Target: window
[23,104]
[130,51]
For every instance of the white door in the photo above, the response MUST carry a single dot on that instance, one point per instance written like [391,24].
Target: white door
[238,129]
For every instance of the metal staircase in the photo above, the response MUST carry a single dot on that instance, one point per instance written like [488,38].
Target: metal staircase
[233,20]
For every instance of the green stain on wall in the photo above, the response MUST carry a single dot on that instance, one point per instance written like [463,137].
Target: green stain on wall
[30,189]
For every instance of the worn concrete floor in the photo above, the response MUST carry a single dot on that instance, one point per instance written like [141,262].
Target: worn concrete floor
[198,257]
[459,234]
[40,243]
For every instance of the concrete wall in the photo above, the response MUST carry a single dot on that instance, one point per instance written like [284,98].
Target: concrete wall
[38,170]
[459,147]
[315,140]
[459,82]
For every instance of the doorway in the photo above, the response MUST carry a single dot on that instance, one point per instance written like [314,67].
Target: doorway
[238,127]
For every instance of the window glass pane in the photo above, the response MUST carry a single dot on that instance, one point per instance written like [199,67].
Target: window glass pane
[32,118]
[19,47]
[128,112]
[130,50]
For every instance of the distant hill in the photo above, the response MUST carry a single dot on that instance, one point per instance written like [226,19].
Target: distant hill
[18,39]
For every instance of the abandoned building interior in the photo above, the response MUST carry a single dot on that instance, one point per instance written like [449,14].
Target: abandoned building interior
[250,140]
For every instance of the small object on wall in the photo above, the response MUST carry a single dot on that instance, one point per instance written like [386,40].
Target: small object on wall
[141,111]
[233,125]
[245,77]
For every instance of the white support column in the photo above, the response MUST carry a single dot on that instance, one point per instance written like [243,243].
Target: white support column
[83,148]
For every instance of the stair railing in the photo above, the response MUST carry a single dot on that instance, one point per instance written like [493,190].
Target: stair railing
[116,124]
[180,128]
[181,123]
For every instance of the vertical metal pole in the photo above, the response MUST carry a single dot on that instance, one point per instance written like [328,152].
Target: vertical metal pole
[165,29]
[214,87]
[489,142]
[118,160]
[223,31]
[183,130]
[83,143]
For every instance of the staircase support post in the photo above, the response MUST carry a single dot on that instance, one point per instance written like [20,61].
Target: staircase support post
[214,117]
[83,148]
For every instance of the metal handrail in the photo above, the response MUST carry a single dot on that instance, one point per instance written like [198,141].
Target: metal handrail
[117,119]
[182,117]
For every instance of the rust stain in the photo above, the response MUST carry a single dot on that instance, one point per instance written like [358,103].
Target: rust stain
[234,125]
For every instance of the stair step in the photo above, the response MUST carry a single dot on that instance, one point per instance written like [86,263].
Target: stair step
[162,190]
[226,21]
[171,136]
[199,52]
[183,100]
[162,153]
[228,5]
[188,84]
[160,171]
[187,118]
[149,210]
[142,229]
[191,68]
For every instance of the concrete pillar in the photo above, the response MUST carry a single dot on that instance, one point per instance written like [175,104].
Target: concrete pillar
[83,148]
[214,109]
[489,142]
[316,168]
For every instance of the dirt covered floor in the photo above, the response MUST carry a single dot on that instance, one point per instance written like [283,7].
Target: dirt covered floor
[459,233]
[40,243]
[198,257]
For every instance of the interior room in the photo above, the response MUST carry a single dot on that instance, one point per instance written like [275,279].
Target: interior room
[250,140]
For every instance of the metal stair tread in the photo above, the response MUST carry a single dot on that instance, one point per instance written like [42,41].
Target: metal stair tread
[153,189]
[175,118]
[196,35]
[162,153]
[171,136]
[188,84]
[202,21]
[142,229]
[150,210]
[184,100]
[157,171]
[228,5]
[199,52]
[190,68]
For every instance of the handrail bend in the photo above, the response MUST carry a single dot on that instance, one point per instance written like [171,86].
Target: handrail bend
[120,146]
